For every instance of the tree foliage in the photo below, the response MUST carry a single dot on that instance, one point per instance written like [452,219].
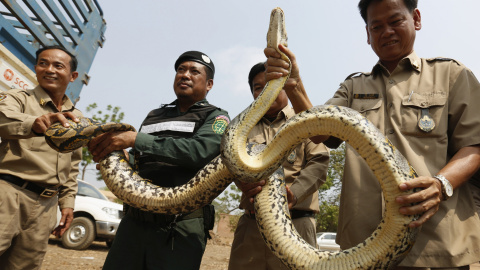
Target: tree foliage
[110,114]
[229,200]
[329,192]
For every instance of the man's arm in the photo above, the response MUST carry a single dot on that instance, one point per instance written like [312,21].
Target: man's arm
[189,152]
[67,194]
[313,174]
[458,170]
[276,68]
[14,124]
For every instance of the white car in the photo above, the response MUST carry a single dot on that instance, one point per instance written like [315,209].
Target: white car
[326,241]
[95,218]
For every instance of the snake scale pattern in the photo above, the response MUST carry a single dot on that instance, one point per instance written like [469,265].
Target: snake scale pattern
[388,244]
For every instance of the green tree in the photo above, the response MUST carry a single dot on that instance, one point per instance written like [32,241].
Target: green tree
[329,192]
[229,200]
[110,114]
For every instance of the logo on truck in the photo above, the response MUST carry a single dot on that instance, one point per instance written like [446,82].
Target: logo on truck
[8,74]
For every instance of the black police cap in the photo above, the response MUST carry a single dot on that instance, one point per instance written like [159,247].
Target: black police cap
[195,56]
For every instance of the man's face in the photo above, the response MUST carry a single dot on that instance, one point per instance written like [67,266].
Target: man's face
[391,30]
[191,82]
[53,71]
[258,84]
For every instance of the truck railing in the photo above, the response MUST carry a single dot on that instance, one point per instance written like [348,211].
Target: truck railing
[76,25]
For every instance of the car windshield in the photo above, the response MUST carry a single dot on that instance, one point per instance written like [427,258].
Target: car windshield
[87,190]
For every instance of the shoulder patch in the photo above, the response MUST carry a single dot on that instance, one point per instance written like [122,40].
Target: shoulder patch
[442,59]
[220,124]
[3,96]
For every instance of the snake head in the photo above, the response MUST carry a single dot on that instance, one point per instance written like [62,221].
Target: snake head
[277,33]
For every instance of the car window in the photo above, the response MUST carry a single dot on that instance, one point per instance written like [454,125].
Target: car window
[330,236]
[87,190]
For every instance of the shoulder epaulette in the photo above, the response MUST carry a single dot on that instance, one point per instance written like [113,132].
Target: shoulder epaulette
[355,74]
[442,59]
[29,92]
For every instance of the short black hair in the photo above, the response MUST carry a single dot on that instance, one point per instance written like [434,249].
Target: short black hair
[73,58]
[257,68]
[363,6]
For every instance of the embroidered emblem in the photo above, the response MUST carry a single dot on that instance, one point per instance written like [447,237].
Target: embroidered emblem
[220,124]
[365,96]
[2,97]
[292,157]
[426,122]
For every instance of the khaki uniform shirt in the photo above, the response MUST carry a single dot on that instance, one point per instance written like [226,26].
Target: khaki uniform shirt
[25,155]
[448,92]
[306,167]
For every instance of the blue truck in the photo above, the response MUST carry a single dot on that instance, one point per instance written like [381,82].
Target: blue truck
[25,26]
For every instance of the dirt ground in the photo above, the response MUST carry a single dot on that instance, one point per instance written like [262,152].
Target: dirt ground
[216,256]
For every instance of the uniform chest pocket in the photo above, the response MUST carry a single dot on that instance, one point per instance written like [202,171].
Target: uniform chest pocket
[428,109]
[36,143]
[366,106]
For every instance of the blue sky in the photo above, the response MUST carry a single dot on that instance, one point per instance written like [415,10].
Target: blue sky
[134,69]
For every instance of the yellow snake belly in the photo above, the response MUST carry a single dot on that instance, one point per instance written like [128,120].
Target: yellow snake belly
[387,245]
[392,239]
[130,187]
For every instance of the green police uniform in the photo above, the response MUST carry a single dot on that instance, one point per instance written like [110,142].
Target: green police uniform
[170,148]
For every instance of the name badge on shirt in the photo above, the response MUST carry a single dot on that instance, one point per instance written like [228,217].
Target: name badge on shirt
[366,96]
[180,126]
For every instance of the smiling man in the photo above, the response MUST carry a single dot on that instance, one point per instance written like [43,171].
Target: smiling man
[427,108]
[174,142]
[31,172]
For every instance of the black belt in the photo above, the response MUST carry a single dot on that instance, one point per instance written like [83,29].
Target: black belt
[42,191]
[294,214]
[161,219]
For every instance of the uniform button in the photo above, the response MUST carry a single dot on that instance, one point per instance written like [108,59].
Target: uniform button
[391,131]
[390,105]
[391,81]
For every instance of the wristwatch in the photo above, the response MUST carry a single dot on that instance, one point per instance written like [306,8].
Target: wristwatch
[447,189]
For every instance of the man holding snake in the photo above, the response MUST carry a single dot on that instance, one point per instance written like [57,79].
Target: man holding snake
[174,142]
[305,171]
[31,172]
[426,109]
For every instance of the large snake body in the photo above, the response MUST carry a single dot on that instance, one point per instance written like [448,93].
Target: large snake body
[384,249]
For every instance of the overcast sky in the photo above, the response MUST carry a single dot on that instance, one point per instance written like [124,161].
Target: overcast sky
[134,70]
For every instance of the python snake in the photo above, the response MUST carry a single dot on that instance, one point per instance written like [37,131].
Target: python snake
[383,250]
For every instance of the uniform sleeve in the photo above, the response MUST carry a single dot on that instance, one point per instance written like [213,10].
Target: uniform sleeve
[67,193]
[314,173]
[464,117]
[192,152]
[340,98]
[14,124]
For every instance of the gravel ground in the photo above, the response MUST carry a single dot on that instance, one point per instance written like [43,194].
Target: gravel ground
[216,256]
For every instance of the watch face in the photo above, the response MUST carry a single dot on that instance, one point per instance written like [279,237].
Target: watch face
[449,190]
